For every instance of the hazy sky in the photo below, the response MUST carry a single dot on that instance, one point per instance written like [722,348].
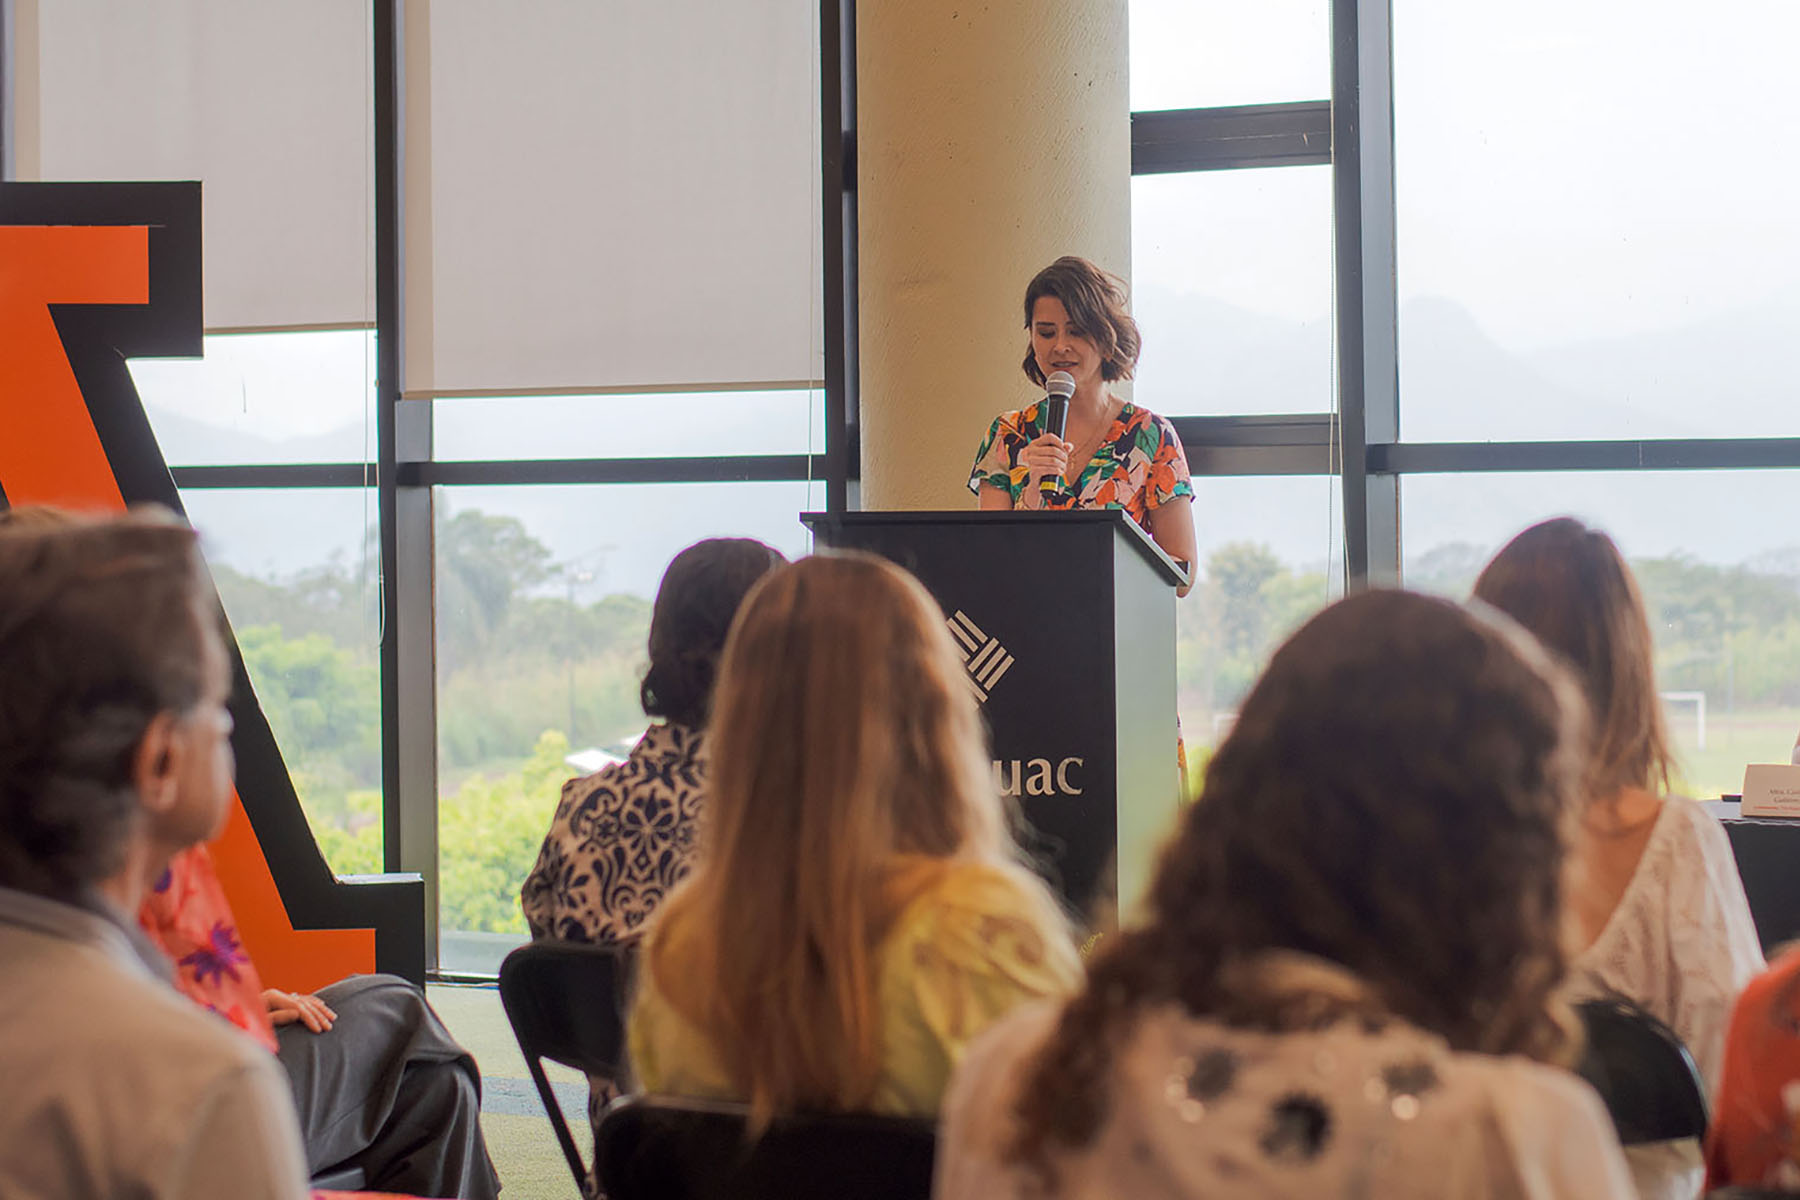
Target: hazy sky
[1565,169]
[1566,172]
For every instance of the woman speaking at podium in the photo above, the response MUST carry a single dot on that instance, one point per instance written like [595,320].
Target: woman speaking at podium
[1110,453]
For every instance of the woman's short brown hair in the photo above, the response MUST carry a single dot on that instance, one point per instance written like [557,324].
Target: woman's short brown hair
[1569,585]
[103,625]
[695,603]
[1095,301]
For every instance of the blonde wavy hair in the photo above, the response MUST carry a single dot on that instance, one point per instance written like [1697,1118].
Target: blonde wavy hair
[849,773]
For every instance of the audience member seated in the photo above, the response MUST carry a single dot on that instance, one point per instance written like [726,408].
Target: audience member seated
[374,1074]
[1658,907]
[857,912]
[115,754]
[1348,983]
[623,836]
[1754,1140]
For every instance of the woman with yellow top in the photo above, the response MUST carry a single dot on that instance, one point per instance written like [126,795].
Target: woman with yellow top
[858,912]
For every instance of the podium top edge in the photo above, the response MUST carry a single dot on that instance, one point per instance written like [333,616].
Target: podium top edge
[1158,558]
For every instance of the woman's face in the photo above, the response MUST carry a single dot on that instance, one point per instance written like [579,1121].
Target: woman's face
[206,764]
[1060,345]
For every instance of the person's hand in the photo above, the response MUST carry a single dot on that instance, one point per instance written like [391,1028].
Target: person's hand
[287,1007]
[1045,458]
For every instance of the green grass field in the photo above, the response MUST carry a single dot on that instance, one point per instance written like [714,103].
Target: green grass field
[1733,741]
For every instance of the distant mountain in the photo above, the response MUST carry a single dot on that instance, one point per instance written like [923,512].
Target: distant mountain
[187,442]
[1725,376]
[1458,385]
[1205,357]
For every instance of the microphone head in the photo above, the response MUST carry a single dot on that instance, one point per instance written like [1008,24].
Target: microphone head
[1060,383]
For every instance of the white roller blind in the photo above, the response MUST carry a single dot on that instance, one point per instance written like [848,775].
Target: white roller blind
[623,193]
[267,102]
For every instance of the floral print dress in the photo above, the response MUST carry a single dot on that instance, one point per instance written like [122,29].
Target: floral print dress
[188,918]
[1139,466]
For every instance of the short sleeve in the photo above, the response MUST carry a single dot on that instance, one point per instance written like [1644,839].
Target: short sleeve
[1712,939]
[980,951]
[1169,477]
[997,461]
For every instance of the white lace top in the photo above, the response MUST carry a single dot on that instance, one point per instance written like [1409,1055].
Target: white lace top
[1200,1111]
[1682,944]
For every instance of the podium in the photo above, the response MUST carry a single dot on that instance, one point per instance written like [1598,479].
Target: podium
[1066,625]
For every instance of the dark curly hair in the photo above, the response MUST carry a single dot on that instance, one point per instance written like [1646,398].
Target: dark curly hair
[103,625]
[695,604]
[1095,302]
[1395,798]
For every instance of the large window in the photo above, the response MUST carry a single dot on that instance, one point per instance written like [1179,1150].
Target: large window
[1231,283]
[296,567]
[1569,260]
[1722,588]
[1269,558]
[1596,221]
[1232,275]
[1516,273]
[265,398]
[543,608]
[1203,53]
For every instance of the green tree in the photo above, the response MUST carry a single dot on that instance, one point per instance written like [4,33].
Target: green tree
[483,564]
[1238,572]
[489,832]
[332,599]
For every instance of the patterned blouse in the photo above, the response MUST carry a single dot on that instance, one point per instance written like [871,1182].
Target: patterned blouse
[1139,466]
[621,838]
[188,918]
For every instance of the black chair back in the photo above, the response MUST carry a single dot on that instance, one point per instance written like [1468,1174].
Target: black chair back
[1643,1073]
[1740,1192]
[658,1148]
[566,1002]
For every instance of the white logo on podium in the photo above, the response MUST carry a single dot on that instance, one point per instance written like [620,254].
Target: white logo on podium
[984,657]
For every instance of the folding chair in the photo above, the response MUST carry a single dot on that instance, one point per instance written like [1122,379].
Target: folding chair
[660,1148]
[1645,1076]
[566,1002]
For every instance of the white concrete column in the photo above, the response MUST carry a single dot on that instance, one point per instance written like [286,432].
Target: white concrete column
[992,137]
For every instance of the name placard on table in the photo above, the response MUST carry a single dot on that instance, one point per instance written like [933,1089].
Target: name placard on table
[1771,790]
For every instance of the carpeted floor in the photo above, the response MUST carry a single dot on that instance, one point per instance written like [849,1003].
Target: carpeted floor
[519,1136]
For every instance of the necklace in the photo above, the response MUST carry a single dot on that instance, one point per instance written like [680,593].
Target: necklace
[1084,451]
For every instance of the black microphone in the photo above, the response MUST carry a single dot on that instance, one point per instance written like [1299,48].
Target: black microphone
[1057,391]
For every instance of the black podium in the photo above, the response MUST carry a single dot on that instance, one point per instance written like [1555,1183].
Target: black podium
[1066,625]
[1767,850]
